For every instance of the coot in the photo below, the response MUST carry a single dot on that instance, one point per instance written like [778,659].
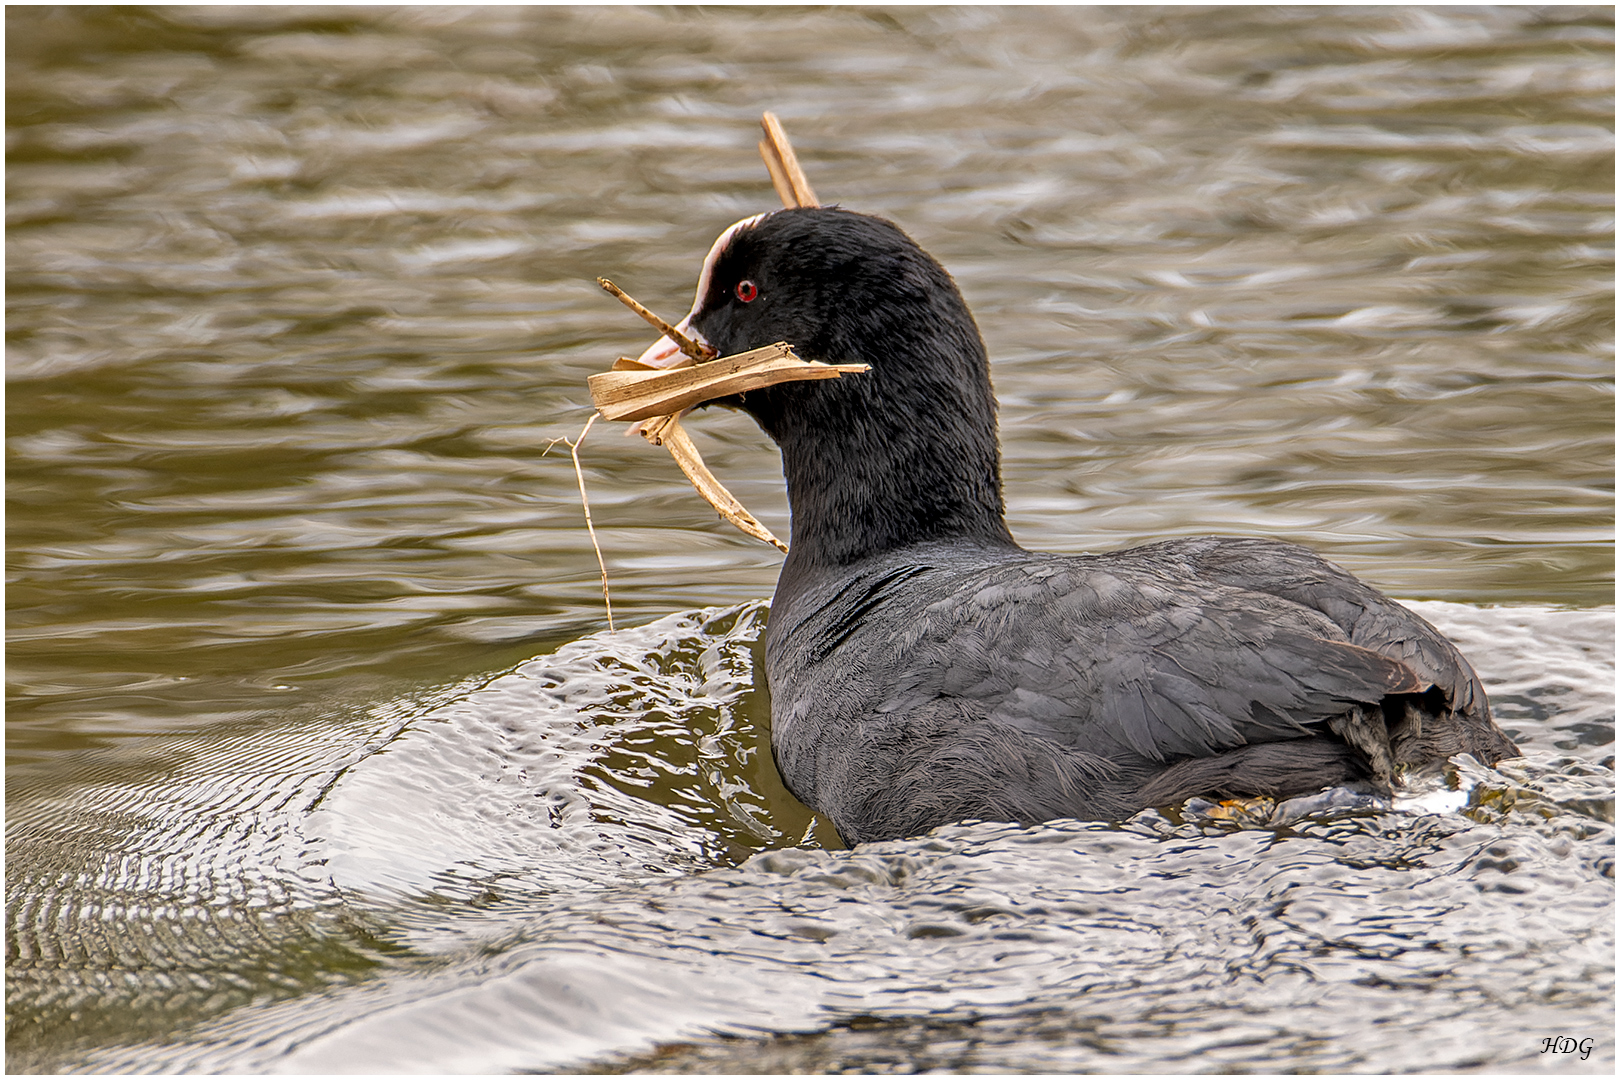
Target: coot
[924,668]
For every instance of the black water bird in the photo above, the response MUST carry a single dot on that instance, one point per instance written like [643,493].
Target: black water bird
[924,668]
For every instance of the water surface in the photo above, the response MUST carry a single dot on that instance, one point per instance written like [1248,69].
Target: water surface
[311,724]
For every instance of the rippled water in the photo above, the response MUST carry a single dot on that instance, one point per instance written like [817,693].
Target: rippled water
[298,298]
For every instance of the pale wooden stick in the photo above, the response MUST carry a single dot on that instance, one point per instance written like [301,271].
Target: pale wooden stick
[697,353]
[779,179]
[782,150]
[680,447]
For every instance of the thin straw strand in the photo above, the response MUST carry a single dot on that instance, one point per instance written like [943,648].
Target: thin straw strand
[584,501]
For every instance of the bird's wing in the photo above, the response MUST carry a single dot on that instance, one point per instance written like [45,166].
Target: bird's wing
[1128,656]
[1366,616]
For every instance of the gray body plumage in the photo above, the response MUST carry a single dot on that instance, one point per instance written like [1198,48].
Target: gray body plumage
[1016,685]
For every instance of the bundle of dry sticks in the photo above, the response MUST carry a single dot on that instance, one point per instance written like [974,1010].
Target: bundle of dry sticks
[657,396]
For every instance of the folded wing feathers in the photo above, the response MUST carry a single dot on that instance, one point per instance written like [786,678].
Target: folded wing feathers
[1175,677]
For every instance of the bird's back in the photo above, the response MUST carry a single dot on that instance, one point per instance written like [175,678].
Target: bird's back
[945,681]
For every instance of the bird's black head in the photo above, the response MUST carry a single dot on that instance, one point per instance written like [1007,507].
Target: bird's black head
[903,454]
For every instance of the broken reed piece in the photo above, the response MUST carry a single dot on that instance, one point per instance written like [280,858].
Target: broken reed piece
[657,397]
[789,180]
[653,430]
[641,395]
[779,180]
[664,428]
[679,445]
[695,352]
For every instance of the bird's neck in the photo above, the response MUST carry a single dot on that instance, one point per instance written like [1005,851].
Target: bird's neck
[869,473]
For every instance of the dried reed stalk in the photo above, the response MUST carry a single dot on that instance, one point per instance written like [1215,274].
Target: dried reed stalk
[658,396]
[695,352]
[786,176]
[654,427]
[640,395]
[679,445]
[585,501]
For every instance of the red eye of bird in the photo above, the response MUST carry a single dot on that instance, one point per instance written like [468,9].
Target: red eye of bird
[746,291]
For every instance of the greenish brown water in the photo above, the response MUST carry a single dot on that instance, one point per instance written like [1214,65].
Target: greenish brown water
[298,300]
